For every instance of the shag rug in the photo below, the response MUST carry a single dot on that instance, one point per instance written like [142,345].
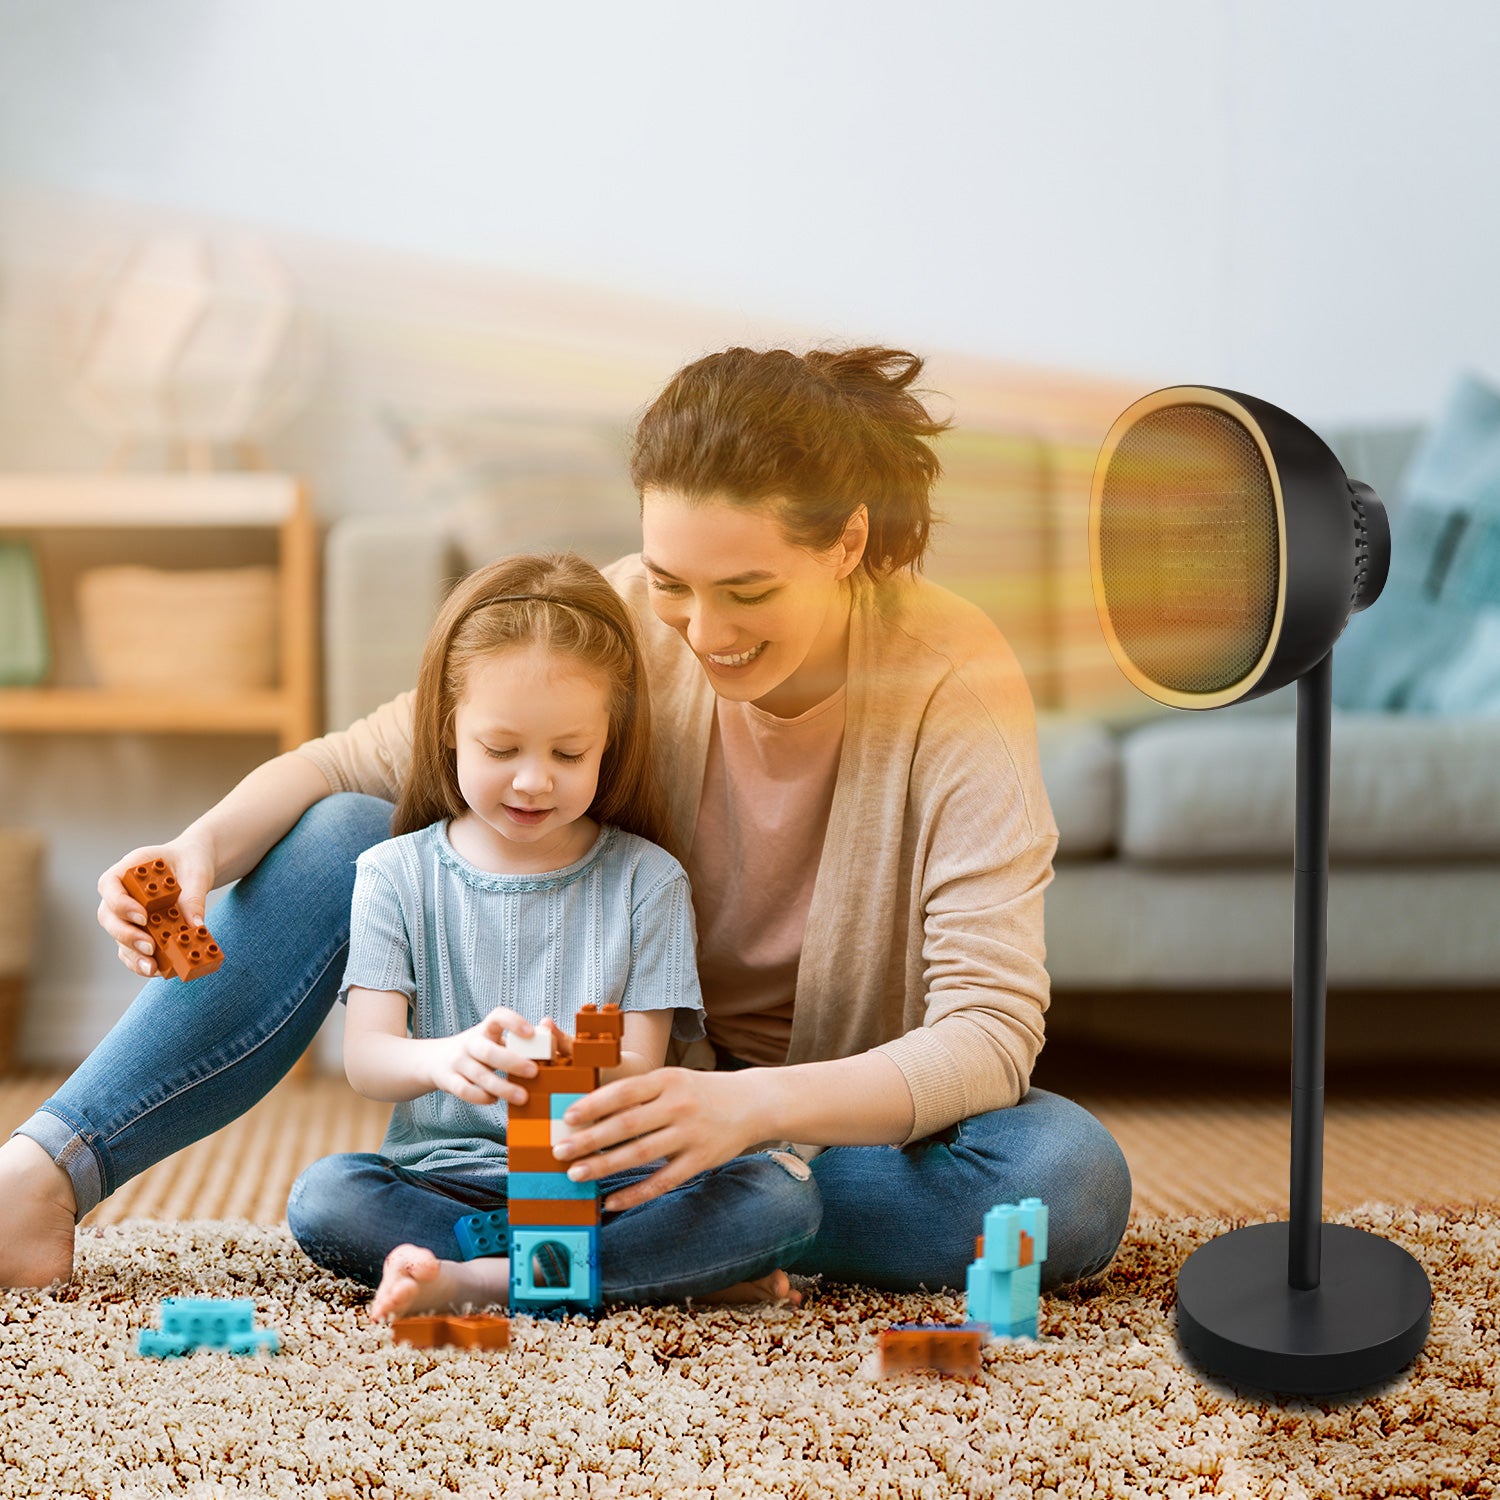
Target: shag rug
[717,1402]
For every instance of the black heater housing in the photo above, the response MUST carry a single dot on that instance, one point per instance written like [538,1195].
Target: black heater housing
[1228,550]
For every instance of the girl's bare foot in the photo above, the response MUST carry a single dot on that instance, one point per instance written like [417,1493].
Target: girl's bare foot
[37,1208]
[777,1287]
[413,1280]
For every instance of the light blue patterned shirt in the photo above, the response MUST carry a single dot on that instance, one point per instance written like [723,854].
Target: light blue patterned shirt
[615,928]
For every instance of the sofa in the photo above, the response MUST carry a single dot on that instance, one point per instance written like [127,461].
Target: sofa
[1173,888]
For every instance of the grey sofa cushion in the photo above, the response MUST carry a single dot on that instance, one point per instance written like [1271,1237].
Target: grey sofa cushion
[1081,769]
[1402,788]
[1114,925]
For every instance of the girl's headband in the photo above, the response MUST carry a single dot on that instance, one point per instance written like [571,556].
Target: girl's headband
[584,609]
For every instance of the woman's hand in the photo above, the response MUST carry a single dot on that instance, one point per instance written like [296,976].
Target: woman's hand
[192,862]
[476,1065]
[696,1120]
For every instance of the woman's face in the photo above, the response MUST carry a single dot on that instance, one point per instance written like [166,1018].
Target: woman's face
[767,620]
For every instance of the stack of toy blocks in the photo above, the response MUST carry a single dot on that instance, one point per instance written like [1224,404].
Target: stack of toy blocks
[551,1227]
[1005,1281]
[182,949]
[189,1323]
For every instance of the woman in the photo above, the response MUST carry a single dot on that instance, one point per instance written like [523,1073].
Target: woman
[851,756]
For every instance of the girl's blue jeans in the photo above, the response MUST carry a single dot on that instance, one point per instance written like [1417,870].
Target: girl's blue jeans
[185,1059]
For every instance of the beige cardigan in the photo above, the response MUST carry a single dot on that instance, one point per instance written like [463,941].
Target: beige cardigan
[924,939]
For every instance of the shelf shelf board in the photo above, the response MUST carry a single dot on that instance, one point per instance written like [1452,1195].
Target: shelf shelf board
[104,711]
[189,501]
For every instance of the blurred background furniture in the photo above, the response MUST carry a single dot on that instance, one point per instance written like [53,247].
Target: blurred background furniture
[21,854]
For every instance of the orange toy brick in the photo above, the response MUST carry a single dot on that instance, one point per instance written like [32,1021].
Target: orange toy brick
[591,1020]
[947,1348]
[183,949]
[596,1052]
[152,884]
[547,1211]
[559,1078]
[187,951]
[476,1331]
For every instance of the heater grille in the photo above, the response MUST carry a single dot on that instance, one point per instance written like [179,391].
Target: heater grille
[1188,548]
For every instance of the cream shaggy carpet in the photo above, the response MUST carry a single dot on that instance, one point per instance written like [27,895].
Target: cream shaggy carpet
[716,1402]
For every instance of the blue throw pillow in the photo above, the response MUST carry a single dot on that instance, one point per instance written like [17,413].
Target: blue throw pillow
[1431,643]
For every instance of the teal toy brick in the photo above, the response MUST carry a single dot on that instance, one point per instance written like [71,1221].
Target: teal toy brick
[1005,1280]
[550,1185]
[554,1271]
[562,1103]
[160,1345]
[482,1234]
[189,1323]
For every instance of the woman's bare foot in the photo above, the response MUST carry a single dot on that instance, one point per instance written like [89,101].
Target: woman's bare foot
[413,1280]
[37,1208]
[777,1287]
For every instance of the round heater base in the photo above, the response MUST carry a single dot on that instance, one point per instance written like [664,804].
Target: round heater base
[1238,1316]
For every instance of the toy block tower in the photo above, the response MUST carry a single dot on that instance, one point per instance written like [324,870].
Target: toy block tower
[1005,1281]
[551,1228]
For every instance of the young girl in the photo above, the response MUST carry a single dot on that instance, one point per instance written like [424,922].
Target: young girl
[525,879]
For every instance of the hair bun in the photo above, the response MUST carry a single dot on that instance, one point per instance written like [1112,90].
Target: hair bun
[869,365]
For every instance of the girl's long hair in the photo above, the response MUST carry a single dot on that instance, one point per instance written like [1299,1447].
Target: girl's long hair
[564,604]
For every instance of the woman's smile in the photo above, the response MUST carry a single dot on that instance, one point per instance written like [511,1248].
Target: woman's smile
[730,663]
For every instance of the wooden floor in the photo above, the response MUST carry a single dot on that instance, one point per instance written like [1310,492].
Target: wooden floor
[1401,1137]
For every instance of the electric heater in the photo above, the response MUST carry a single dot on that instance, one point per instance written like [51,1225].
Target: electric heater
[1228,550]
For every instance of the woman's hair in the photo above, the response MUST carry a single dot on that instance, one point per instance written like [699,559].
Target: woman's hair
[564,604]
[823,433]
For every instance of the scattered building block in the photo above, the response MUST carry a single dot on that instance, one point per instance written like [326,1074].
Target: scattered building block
[950,1349]
[189,1323]
[1004,1283]
[466,1331]
[482,1234]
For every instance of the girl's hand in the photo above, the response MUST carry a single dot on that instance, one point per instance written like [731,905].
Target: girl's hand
[696,1120]
[470,1065]
[192,862]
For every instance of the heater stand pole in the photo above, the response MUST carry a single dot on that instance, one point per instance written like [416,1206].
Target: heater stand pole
[1299,1306]
[1310,971]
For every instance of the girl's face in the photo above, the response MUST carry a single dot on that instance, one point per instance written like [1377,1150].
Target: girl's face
[528,736]
[767,620]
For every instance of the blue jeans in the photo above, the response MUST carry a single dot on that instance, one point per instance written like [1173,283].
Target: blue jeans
[185,1060]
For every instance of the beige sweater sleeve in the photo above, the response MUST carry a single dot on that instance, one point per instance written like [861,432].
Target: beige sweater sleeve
[976,953]
[372,755]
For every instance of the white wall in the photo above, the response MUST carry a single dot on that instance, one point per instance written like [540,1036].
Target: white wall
[1292,199]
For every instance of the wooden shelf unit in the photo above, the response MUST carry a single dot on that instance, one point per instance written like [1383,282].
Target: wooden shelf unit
[185,503]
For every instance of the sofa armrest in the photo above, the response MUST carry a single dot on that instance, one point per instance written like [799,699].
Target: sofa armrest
[384,577]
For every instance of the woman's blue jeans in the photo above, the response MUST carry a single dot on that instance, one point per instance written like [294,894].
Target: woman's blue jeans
[185,1059]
